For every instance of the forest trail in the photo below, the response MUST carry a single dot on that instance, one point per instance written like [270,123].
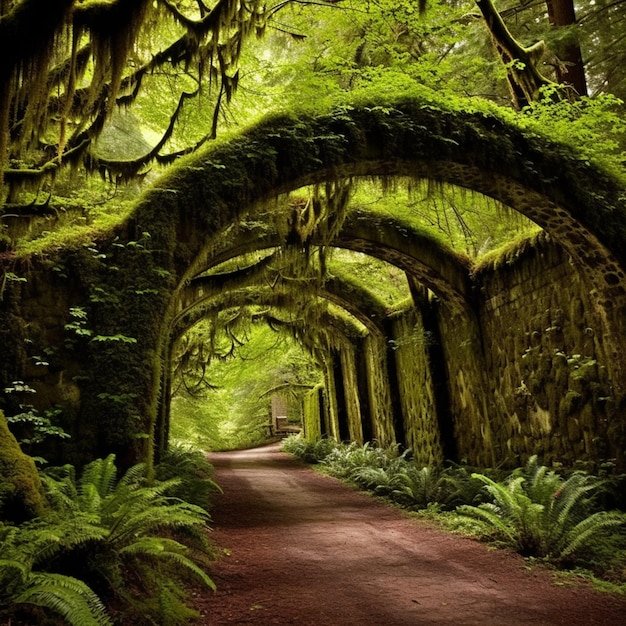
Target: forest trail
[306,549]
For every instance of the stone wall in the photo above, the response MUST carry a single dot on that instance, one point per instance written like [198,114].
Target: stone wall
[351,393]
[524,369]
[547,383]
[415,388]
[312,414]
[379,394]
[463,353]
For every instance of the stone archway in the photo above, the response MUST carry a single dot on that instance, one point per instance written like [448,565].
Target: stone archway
[177,225]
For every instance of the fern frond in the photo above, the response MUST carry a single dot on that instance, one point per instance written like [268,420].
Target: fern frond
[60,489]
[167,549]
[134,476]
[160,515]
[490,520]
[13,574]
[68,597]
[505,496]
[39,542]
[588,529]
[90,498]
[540,484]
[373,478]
[571,495]
[100,474]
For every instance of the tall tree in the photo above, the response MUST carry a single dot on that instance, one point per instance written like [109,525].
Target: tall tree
[570,69]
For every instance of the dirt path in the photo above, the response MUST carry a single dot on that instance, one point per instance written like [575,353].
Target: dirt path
[307,550]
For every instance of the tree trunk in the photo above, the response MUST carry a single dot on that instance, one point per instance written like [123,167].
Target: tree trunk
[20,486]
[525,80]
[570,70]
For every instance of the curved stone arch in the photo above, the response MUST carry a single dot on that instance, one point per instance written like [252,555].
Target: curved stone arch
[445,272]
[580,205]
[251,297]
[347,295]
[346,329]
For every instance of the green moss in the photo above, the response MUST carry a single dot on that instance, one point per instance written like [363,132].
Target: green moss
[20,486]
[511,252]
[569,404]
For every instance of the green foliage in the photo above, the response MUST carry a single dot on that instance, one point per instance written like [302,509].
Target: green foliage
[24,592]
[594,127]
[389,473]
[540,514]
[194,472]
[445,488]
[348,460]
[224,382]
[78,325]
[32,428]
[535,511]
[29,426]
[121,542]
[309,452]
[66,596]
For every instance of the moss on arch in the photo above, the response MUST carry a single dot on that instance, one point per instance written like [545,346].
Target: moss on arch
[192,206]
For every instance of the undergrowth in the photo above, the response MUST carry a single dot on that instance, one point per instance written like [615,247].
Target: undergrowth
[556,519]
[110,549]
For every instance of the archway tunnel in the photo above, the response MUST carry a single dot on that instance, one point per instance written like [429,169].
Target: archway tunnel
[486,362]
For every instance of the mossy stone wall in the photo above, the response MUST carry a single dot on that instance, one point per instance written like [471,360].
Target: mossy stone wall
[415,388]
[463,354]
[351,393]
[312,414]
[331,414]
[39,350]
[548,380]
[379,393]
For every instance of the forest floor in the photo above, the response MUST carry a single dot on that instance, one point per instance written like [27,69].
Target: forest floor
[303,548]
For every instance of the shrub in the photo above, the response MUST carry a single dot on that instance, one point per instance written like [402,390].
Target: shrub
[125,544]
[541,514]
[309,452]
[194,473]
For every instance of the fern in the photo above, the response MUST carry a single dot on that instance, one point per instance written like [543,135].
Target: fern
[589,529]
[195,473]
[133,544]
[23,587]
[163,548]
[68,597]
[376,479]
[99,475]
[541,514]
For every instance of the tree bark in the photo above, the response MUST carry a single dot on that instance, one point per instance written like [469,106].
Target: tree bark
[524,78]
[571,69]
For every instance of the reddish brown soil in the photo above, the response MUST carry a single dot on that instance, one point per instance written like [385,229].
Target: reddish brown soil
[307,550]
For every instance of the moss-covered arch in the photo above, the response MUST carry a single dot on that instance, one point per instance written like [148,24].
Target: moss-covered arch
[423,257]
[580,205]
[331,335]
[345,293]
[190,209]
